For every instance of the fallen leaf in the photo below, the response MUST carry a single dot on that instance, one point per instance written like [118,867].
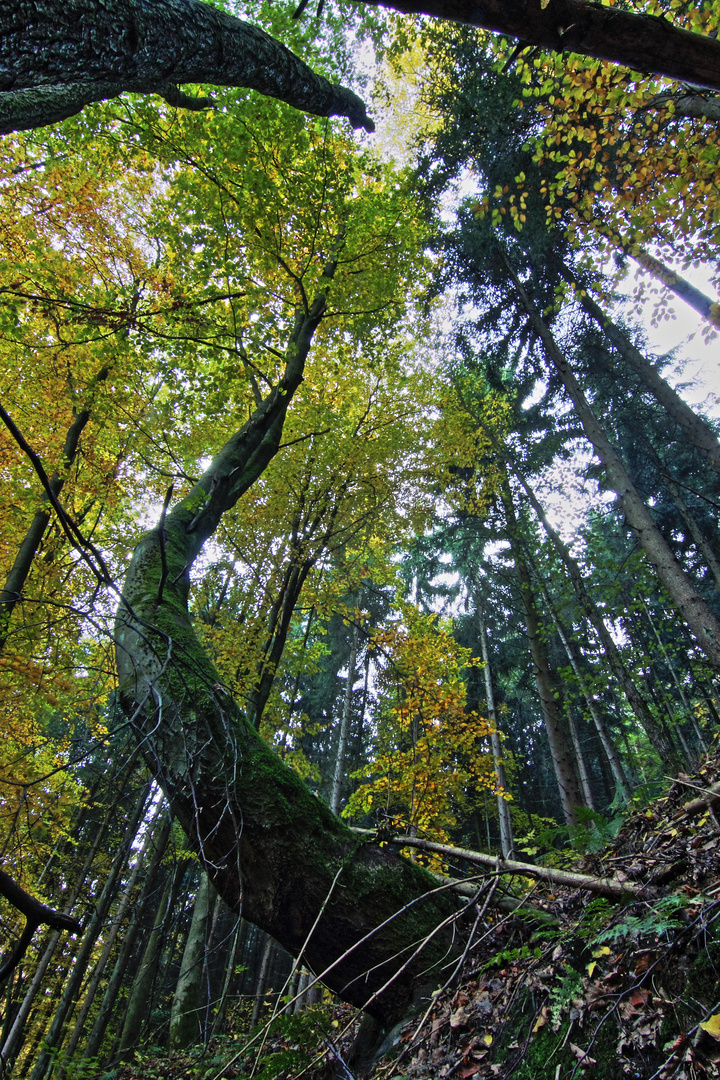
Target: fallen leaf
[541,1020]
[583,1057]
[459,1018]
[712,1026]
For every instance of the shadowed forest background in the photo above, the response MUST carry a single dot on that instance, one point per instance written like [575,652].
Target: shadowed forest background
[351,447]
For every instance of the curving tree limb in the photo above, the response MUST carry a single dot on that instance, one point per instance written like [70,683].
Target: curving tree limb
[56,56]
[36,914]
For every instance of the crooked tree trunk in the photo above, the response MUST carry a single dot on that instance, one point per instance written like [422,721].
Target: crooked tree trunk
[689,604]
[271,848]
[58,56]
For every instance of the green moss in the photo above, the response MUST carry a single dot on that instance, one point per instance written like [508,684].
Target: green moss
[536,1056]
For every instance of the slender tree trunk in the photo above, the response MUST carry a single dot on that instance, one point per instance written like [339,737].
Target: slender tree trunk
[11,594]
[264,839]
[709,309]
[580,758]
[609,747]
[560,746]
[109,937]
[663,746]
[699,538]
[185,1012]
[112,989]
[506,835]
[262,981]
[95,924]
[339,772]
[616,766]
[230,965]
[689,604]
[138,1008]
[697,431]
[98,831]
[687,707]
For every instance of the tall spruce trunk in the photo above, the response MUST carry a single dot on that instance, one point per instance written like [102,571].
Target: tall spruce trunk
[271,848]
[561,750]
[697,431]
[343,733]
[688,602]
[662,745]
[709,309]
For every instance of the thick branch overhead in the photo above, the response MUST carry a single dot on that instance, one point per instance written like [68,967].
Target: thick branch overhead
[58,55]
[645,43]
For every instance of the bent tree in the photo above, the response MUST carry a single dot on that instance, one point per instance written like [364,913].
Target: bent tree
[365,920]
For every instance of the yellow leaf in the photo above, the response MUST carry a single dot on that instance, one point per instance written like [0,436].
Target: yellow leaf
[712,1026]
[487,1039]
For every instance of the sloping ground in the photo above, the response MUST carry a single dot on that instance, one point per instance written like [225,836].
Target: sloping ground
[598,989]
[612,991]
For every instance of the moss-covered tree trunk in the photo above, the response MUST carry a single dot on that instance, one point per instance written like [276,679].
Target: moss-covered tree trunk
[271,848]
[184,1015]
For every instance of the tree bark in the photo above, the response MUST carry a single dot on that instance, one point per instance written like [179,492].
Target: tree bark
[561,750]
[184,1014]
[689,604]
[709,309]
[269,846]
[646,43]
[56,56]
[635,700]
[506,834]
[697,430]
[685,104]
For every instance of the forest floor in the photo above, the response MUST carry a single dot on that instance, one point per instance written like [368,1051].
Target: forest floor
[599,989]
